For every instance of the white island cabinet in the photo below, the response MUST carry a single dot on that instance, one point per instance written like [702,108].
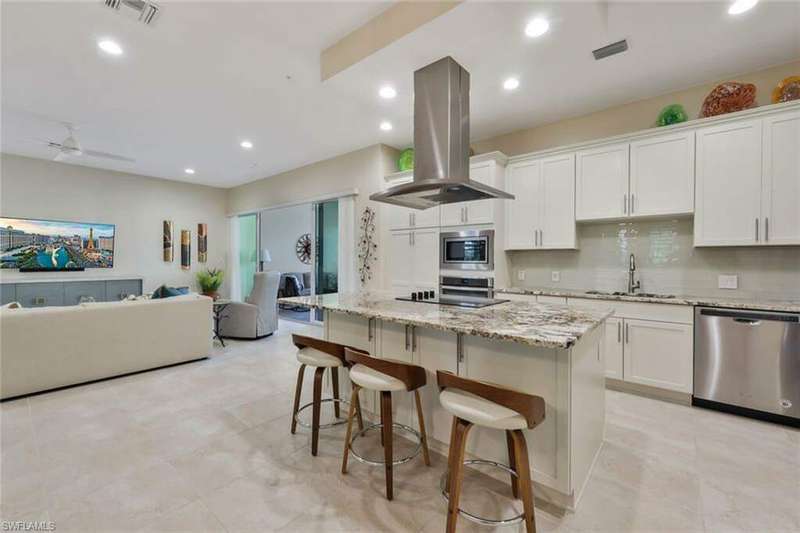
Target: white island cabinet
[552,351]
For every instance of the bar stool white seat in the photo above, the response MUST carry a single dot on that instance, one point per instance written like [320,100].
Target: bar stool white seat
[385,376]
[312,357]
[368,378]
[480,411]
[475,403]
[320,355]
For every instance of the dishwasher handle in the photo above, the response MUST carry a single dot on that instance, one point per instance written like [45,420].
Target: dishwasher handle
[750,317]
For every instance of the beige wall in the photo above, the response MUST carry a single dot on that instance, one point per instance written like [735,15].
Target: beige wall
[137,205]
[363,170]
[626,118]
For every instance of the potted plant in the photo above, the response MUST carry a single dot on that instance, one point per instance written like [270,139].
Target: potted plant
[210,281]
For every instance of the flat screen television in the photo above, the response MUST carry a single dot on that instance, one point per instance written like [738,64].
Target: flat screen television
[54,245]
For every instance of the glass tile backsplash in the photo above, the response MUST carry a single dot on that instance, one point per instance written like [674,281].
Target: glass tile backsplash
[666,262]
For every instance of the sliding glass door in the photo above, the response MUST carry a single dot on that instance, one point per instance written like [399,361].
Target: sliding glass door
[326,257]
[248,252]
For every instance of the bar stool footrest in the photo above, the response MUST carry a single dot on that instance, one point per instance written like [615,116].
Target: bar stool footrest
[396,462]
[473,517]
[338,422]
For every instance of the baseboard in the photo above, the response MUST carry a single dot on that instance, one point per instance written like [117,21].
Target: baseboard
[82,383]
[681,398]
[744,411]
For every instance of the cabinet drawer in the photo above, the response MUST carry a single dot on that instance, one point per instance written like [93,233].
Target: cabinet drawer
[682,314]
[8,293]
[121,289]
[40,294]
[73,292]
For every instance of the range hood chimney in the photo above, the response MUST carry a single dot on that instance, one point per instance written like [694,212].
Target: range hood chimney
[441,142]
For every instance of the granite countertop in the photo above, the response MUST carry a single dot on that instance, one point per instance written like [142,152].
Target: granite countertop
[552,326]
[790,306]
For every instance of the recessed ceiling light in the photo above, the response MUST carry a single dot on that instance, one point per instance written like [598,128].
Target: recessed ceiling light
[537,27]
[246,144]
[510,84]
[740,6]
[388,92]
[386,125]
[189,170]
[110,47]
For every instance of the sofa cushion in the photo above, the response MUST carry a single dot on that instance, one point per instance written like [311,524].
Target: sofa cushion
[167,292]
[12,305]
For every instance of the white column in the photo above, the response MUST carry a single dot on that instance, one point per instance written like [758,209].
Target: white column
[347,244]
[234,282]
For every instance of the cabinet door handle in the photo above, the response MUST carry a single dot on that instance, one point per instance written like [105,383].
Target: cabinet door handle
[756,229]
[413,338]
[627,334]
[619,332]
[766,229]
[624,204]
[633,203]
[369,328]
[460,347]
[407,343]
[541,237]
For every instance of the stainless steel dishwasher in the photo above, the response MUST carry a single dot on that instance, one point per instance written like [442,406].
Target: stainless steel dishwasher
[748,362]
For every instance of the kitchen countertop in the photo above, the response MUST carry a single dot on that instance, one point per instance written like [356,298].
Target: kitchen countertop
[791,306]
[552,326]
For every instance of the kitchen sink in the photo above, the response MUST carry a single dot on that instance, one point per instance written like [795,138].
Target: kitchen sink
[643,294]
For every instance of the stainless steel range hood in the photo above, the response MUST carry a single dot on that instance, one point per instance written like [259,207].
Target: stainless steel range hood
[441,142]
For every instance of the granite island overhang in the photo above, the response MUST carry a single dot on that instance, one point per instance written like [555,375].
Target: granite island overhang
[553,351]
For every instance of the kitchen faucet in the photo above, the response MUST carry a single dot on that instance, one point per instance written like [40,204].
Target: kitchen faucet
[632,287]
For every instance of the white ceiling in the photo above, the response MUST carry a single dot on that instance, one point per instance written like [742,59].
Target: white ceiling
[209,74]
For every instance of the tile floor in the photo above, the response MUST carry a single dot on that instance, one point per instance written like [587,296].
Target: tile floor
[206,447]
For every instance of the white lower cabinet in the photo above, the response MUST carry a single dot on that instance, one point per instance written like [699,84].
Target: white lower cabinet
[613,348]
[656,354]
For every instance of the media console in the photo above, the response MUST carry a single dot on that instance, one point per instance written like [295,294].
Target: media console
[43,293]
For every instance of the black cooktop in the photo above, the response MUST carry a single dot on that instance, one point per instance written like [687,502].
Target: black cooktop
[458,301]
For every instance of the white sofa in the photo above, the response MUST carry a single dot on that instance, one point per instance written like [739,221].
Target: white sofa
[49,347]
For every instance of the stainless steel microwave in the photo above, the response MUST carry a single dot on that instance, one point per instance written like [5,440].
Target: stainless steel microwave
[467,250]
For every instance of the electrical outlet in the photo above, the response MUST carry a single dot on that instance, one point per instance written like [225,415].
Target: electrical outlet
[555,275]
[728,281]
[520,275]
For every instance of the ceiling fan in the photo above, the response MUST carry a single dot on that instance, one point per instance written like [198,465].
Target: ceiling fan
[70,147]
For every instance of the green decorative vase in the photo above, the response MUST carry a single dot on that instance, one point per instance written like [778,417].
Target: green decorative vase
[672,114]
[406,160]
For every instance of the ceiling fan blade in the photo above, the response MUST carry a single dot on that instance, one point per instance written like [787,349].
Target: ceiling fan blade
[106,155]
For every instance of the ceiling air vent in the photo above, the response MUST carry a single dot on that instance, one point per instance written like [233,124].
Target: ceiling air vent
[143,10]
[609,50]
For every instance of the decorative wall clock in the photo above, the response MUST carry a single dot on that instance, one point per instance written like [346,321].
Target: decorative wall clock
[302,248]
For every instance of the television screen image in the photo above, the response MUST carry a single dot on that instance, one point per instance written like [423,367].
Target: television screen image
[30,244]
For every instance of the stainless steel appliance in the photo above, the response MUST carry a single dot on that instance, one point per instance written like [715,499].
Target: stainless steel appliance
[748,362]
[467,250]
[441,142]
[472,287]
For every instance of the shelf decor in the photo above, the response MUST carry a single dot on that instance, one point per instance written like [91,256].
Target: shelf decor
[787,90]
[202,243]
[302,248]
[672,114]
[406,160]
[167,241]
[186,249]
[367,248]
[728,97]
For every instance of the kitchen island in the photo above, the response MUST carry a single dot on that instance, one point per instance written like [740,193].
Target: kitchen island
[552,351]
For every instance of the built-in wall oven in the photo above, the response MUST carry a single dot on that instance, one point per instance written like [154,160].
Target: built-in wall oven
[467,250]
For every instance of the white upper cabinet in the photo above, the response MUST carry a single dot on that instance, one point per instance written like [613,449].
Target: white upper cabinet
[557,211]
[728,185]
[413,260]
[662,175]
[478,211]
[780,198]
[404,218]
[602,182]
[522,213]
[542,214]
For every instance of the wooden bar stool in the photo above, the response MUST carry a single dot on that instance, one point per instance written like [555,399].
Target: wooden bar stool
[477,403]
[321,355]
[385,376]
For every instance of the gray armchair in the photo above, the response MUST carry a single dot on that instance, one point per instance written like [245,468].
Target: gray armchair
[257,316]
